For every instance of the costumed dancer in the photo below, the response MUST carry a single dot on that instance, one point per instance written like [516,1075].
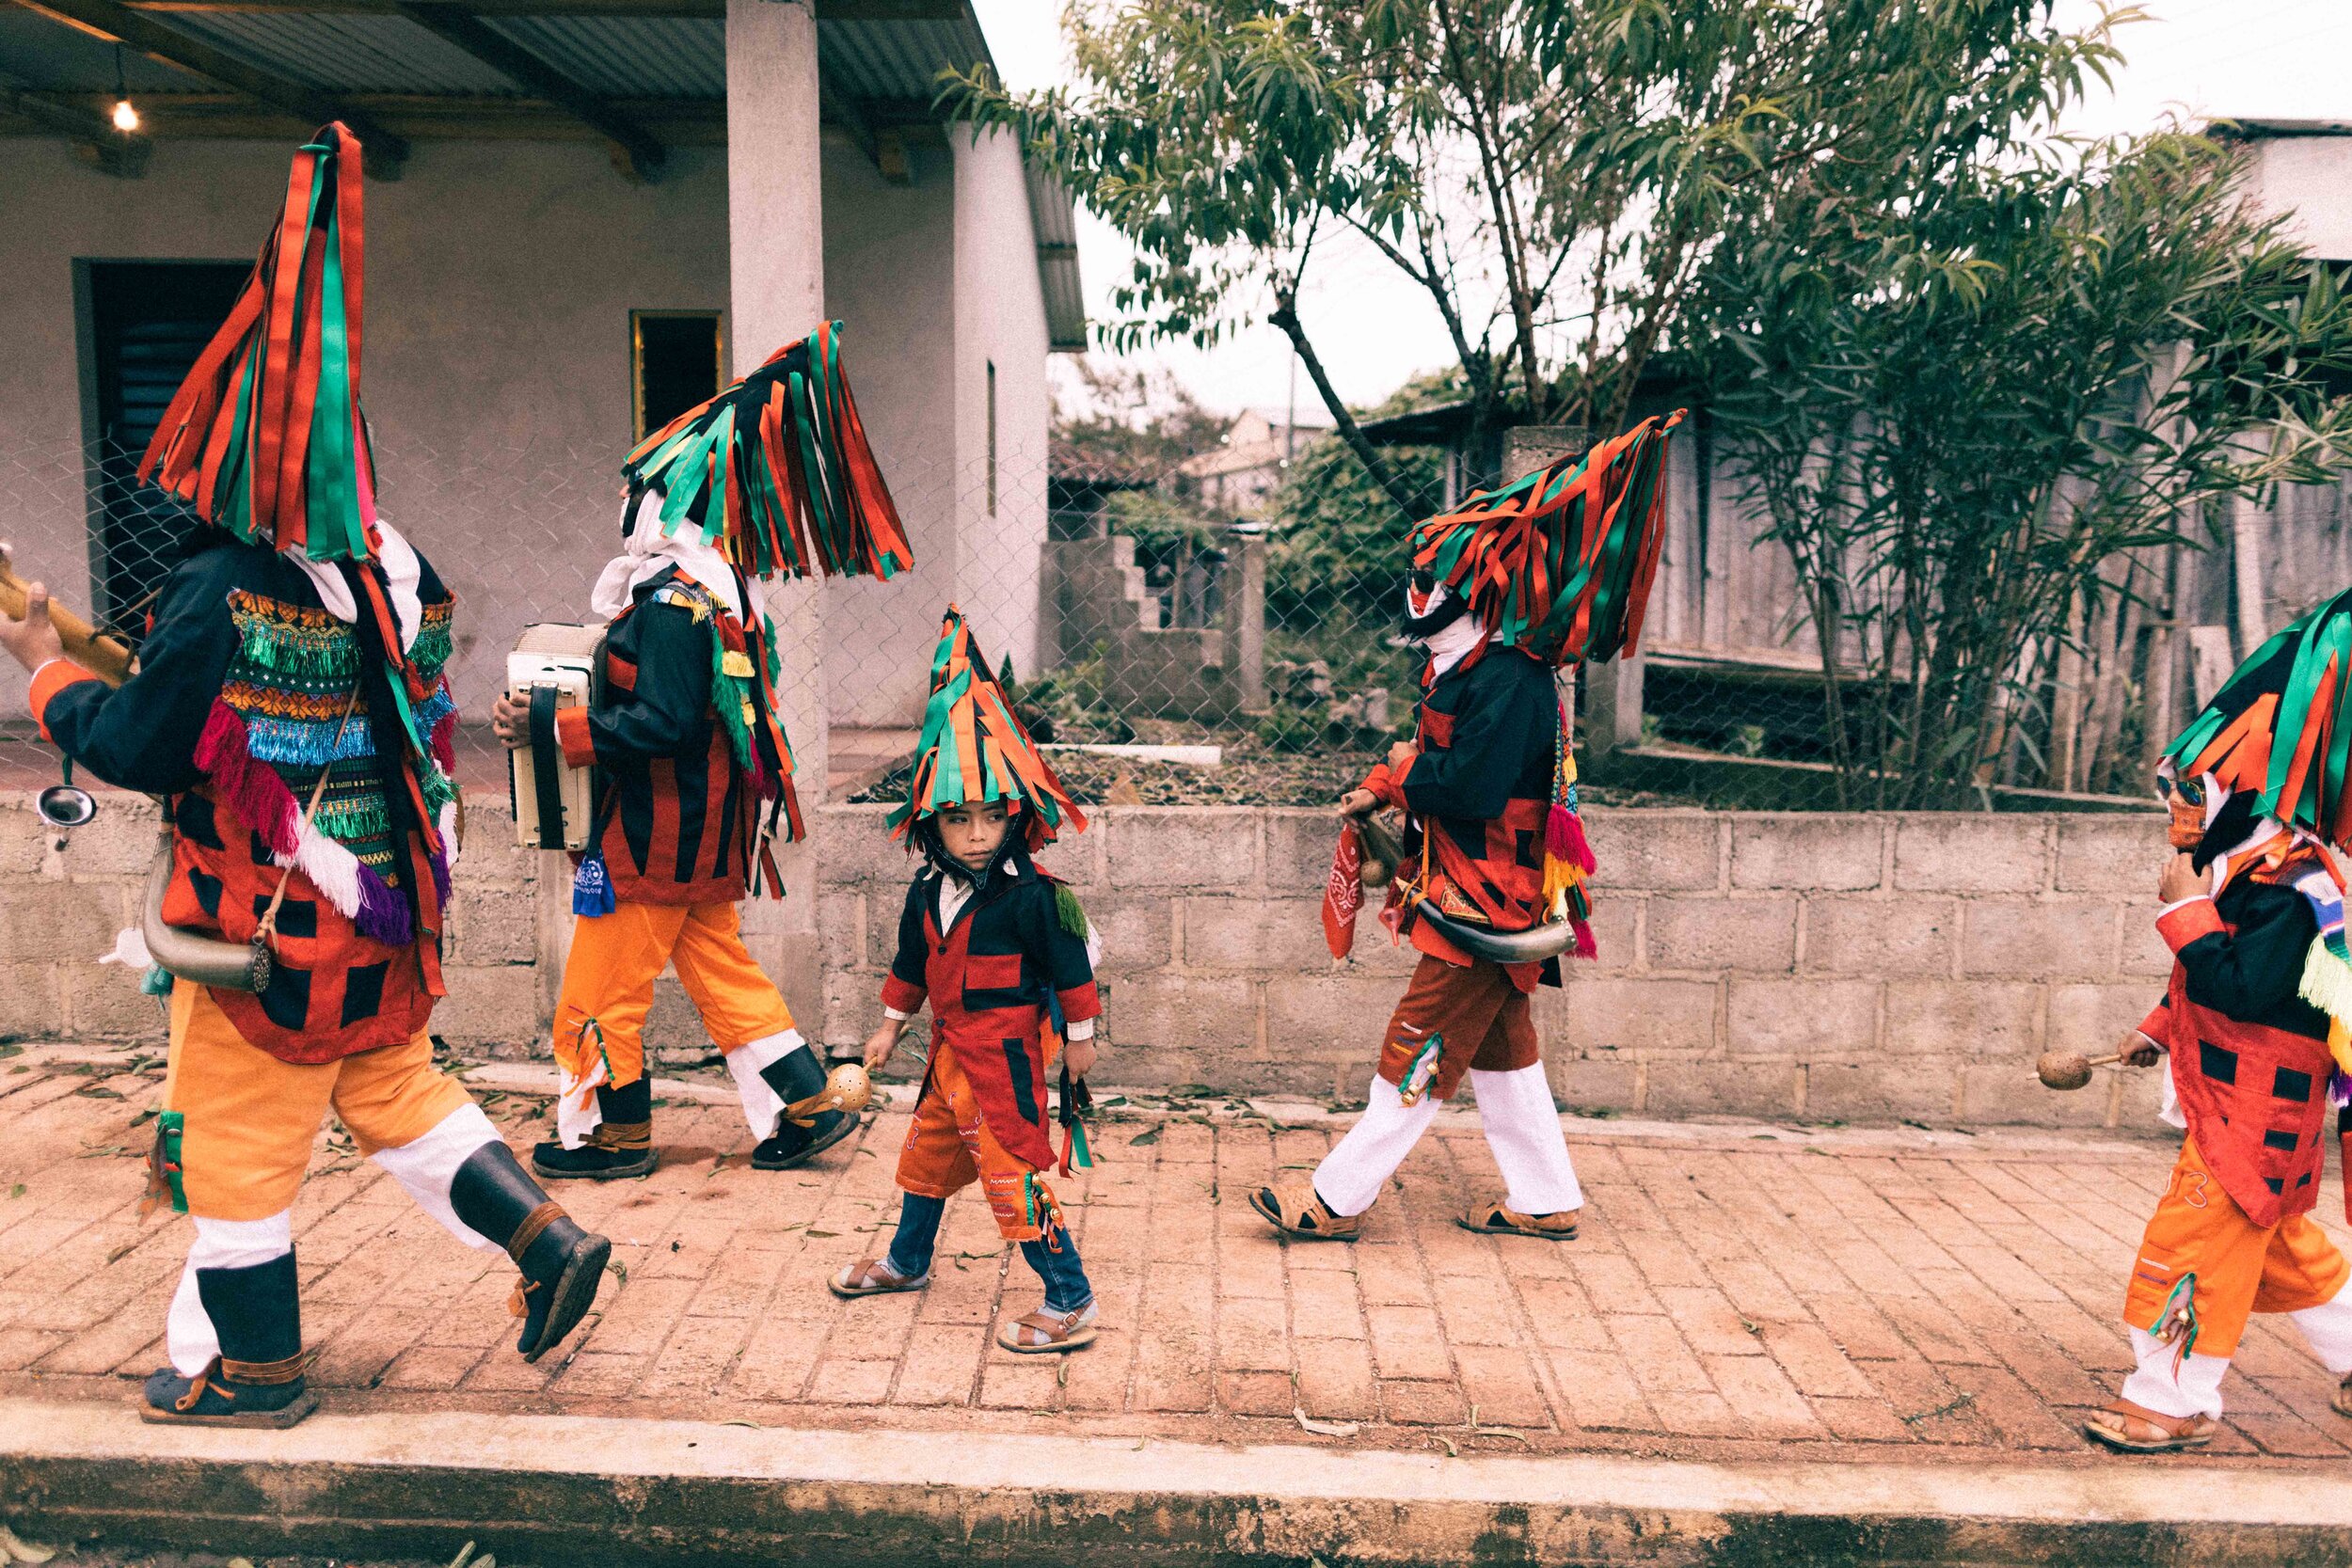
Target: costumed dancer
[1006,957]
[290,706]
[1552,568]
[772,477]
[2254,1022]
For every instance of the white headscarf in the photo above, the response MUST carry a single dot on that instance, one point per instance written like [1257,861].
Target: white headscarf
[1451,642]
[400,573]
[651,552]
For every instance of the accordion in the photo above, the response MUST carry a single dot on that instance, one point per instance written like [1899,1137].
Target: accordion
[553,666]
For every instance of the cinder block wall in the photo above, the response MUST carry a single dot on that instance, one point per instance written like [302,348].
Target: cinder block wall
[1848,967]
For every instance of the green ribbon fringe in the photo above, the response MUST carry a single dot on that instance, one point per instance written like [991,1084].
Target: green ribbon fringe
[1067,910]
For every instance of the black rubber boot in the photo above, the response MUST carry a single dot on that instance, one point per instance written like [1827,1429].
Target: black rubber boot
[796,1078]
[561,1263]
[621,1146]
[257,1379]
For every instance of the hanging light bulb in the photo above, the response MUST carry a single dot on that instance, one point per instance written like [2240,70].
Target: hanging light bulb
[126,118]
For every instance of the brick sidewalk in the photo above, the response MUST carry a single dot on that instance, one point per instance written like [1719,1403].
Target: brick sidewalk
[1737,1291]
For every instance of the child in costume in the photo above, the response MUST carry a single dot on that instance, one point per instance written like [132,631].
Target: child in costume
[2253,1023]
[1553,567]
[290,709]
[689,743]
[1005,958]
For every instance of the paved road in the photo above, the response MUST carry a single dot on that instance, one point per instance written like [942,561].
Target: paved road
[1739,1291]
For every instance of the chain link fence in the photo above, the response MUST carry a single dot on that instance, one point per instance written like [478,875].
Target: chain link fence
[1180,645]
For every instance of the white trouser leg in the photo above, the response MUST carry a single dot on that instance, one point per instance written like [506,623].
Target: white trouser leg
[577,1113]
[427,1166]
[2328,1330]
[190,1340]
[762,1105]
[1523,1129]
[2195,1391]
[1352,1175]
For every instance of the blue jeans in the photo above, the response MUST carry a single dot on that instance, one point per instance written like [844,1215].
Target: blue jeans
[1067,1288]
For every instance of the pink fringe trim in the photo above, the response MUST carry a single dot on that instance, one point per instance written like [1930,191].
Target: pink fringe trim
[1585,946]
[1564,840]
[444,742]
[253,791]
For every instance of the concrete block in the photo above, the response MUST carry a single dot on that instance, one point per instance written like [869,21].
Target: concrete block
[853,847]
[24,838]
[104,1002]
[2118,853]
[120,841]
[1962,852]
[1181,846]
[1838,851]
[1280,936]
[2073,939]
[1659,852]
[1616,936]
[672,1023]
[1299,846]
[1595,1083]
[1218,1012]
[2144,952]
[2093,1018]
[488,1004]
[41,922]
[1714,934]
[1809,1019]
[841,929]
[2137,1097]
[490,852]
[1340,1016]
[1880,936]
[1866,1090]
[32,1007]
[850,1010]
[1721,1088]
[1963,1017]
[1076,858]
[1652,1017]
[493,925]
[1138,930]
[2008,1091]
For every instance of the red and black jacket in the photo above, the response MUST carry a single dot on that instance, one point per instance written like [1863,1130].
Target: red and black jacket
[1489,732]
[2249,1057]
[239,700]
[678,810]
[993,979]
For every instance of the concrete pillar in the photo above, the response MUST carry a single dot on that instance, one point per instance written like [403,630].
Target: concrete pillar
[776,293]
[1244,614]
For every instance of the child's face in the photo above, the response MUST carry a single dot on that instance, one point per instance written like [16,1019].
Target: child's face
[974,834]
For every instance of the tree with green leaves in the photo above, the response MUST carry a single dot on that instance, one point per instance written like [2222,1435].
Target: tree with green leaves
[1554,175]
[1983,417]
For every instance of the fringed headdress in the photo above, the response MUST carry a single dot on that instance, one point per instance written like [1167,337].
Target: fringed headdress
[775,470]
[2281,728]
[1559,563]
[266,436]
[973,750]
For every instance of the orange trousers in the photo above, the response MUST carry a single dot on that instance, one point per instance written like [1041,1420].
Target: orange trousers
[950,1147]
[607,985]
[250,1119]
[2241,1268]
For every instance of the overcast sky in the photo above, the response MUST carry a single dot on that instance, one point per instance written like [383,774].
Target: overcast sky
[2283,60]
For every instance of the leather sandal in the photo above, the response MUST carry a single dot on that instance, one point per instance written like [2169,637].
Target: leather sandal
[1499,1219]
[1295,1209]
[2130,1428]
[872,1276]
[2342,1403]
[1048,1333]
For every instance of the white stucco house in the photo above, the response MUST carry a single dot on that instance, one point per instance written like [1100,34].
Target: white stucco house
[581,215]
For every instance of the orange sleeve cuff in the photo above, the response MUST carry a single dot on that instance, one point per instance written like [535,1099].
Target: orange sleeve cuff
[50,679]
[1388,786]
[2197,918]
[571,733]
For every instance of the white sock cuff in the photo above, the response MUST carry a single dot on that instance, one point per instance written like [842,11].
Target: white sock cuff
[762,1105]
[241,1244]
[427,1166]
[765,1052]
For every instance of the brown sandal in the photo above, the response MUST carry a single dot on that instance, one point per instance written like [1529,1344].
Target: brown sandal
[872,1276]
[2129,1428]
[1054,1332]
[1497,1219]
[1295,1209]
[2342,1403]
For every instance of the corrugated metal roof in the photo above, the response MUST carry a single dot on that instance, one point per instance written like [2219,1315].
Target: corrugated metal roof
[1054,219]
[348,53]
[630,57]
[897,60]
[35,53]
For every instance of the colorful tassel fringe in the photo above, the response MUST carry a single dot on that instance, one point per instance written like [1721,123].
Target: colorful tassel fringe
[777,472]
[1559,563]
[1069,912]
